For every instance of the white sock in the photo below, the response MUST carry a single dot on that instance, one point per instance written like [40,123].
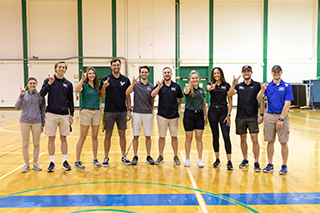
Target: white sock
[64,158]
[51,158]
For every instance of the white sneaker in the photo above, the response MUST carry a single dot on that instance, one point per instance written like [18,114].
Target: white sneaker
[36,167]
[187,163]
[200,163]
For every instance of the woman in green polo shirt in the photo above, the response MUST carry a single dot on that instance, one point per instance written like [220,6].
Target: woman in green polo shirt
[90,114]
[195,116]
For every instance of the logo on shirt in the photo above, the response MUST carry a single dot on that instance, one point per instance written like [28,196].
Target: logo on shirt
[65,85]
[241,87]
[223,87]
[201,91]
[122,83]
[149,88]
[251,87]
[173,89]
[281,89]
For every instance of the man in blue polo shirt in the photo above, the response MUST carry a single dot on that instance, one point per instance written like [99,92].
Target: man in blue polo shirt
[247,114]
[276,121]
[117,108]
[170,97]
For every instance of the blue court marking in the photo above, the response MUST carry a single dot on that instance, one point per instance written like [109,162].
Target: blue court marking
[99,200]
[267,199]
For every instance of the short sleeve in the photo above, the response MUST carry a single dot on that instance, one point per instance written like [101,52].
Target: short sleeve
[289,93]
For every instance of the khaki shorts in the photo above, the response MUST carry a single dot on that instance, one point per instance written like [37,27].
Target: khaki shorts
[138,120]
[55,120]
[90,117]
[164,123]
[270,121]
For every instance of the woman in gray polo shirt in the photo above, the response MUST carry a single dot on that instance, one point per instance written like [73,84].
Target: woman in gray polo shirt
[31,119]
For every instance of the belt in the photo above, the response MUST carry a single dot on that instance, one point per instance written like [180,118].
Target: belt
[195,111]
[274,113]
[218,106]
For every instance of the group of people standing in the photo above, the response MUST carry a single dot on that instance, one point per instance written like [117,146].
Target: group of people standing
[117,89]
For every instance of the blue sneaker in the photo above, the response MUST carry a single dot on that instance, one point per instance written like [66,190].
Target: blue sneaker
[268,168]
[284,170]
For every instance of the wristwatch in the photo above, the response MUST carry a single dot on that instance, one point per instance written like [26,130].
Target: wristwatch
[281,119]
[130,110]
[262,114]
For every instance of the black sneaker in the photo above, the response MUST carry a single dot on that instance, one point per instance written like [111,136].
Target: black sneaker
[125,160]
[134,160]
[176,160]
[51,167]
[217,163]
[244,164]
[229,165]
[66,166]
[257,167]
[160,160]
[105,162]
[149,160]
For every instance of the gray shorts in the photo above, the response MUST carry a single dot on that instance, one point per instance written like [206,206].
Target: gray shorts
[111,117]
[242,124]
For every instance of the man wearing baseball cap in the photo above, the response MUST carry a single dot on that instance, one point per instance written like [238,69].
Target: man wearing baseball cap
[247,114]
[276,121]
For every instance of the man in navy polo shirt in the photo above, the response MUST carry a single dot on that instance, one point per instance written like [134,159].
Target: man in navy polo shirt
[117,108]
[170,97]
[276,121]
[247,114]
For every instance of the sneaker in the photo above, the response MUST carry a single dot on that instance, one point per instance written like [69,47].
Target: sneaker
[125,160]
[200,163]
[96,163]
[36,167]
[105,162]
[244,164]
[51,167]
[269,168]
[257,167]
[78,165]
[134,160]
[26,168]
[284,170]
[229,165]
[160,160]
[149,160]
[66,166]
[187,163]
[176,160]
[217,163]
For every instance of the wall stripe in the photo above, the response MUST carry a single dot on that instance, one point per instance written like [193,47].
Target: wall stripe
[177,17]
[25,41]
[211,27]
[80,37]
[318,42]
[265,38]
[114,28]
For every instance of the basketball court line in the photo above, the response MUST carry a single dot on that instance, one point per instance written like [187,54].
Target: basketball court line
[19,167]
[194,185]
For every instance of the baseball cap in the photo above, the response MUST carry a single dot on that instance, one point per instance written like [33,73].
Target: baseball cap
[276,67]
[246,67]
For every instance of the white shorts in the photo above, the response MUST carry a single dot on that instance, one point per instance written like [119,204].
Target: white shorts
[55,120]
[139,120]
[164,123]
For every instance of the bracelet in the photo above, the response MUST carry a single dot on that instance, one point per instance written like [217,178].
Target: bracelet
[281,119]
[130,110]
[262,114]
[229,115]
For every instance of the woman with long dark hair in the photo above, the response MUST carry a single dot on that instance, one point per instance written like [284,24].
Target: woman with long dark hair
[220,112]
[90,114]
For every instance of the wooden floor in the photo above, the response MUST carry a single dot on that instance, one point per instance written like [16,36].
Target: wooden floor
[166,187]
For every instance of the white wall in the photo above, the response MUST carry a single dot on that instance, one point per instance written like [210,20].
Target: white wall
[146,36]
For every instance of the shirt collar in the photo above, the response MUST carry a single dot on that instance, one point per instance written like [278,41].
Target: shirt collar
[281,82]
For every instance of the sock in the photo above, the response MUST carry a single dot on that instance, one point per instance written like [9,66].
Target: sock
[64,158]
[51,158]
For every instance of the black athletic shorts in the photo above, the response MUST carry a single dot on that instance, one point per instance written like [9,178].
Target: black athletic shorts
[193,120]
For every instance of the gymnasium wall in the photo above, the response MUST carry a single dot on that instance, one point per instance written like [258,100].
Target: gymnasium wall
[146,34]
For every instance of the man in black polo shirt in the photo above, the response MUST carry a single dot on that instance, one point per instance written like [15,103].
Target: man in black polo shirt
[117,108]
[170,97]
[247,114]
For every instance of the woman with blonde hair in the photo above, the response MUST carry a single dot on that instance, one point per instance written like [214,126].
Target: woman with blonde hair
[90,114]
[195,116]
